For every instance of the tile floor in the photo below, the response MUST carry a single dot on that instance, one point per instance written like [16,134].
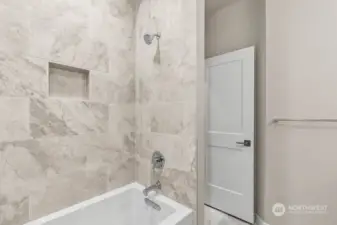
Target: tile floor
[215,217]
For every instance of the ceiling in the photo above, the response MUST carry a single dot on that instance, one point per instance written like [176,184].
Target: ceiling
[214,5]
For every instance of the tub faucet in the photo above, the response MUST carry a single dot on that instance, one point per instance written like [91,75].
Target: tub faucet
[156,186]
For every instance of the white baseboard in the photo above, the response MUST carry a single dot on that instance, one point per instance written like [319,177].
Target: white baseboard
[259,221]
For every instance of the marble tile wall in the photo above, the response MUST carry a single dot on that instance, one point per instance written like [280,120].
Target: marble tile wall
[55,152]
[166,95]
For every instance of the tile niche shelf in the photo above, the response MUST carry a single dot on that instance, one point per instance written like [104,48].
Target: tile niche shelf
[68,82]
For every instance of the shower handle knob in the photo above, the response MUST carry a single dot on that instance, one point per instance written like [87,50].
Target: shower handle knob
[158,160]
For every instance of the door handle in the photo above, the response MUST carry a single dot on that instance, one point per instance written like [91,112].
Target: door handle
[246,143]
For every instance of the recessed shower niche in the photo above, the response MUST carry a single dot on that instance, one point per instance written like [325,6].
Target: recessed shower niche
[68,82]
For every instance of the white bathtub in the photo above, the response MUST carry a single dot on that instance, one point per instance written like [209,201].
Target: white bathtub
[123,206]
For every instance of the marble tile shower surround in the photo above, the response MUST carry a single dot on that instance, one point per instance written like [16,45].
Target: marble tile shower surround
[55,152]
[166,95]
[135,105]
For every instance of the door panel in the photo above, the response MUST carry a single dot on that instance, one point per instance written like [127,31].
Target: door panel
[221,102]
[227,161]
[230,160]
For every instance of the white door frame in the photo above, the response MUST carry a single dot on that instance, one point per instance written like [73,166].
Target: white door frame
[201,108]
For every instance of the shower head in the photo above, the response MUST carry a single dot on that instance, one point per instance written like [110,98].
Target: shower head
[148,38]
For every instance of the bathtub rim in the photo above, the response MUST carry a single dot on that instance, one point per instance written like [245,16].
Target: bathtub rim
[181,211]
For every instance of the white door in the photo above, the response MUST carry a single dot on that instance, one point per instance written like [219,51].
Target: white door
[230,152]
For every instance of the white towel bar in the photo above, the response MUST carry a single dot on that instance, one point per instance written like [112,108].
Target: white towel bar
[280,120]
